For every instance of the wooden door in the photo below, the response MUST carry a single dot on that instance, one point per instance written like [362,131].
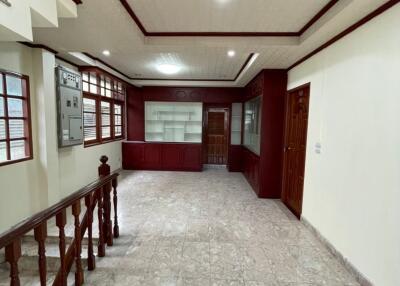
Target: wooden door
[216,136]
[297,103]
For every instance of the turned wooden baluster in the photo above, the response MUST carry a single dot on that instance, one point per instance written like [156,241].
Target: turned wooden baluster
[76,210]
[13,253]
[115,199]
[61,221]
[89,210]
[104,170]
[40,234]
[101,249]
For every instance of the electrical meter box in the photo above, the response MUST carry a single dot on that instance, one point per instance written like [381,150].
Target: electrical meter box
[69,107]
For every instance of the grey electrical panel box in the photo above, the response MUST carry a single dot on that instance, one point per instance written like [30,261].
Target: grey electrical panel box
[69,107]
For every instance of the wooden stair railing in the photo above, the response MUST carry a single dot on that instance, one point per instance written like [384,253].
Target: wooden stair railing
[96,194]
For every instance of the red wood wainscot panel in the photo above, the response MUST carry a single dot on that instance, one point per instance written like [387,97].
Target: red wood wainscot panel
[264,172]
[235,158]
[138,155]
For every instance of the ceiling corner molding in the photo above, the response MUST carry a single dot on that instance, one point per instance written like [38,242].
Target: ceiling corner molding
[106,64]
[386,6]
[310,23]
[39,46]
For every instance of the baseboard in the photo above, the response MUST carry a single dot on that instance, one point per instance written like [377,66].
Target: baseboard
[364,281]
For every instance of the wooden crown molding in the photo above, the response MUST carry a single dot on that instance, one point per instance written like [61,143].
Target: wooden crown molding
[389,4]
[312,21]
[77,2]
[39,46]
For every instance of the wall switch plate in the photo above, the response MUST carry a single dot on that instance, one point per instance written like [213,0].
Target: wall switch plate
[318,148]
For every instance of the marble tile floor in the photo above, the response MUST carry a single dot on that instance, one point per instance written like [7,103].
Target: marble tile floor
[209,228]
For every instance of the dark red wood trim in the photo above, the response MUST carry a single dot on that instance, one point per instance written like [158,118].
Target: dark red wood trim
[248,59]
[222,34]
[350,29]
[67,61]
[32,222]
[106,64]
[39,46]
[133,16]
[77,2]
[314,19]
[318,16]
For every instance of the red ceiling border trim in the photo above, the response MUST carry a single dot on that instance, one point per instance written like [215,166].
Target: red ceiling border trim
[389,4]
[313,20]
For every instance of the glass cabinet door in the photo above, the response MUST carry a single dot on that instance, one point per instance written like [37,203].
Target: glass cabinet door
[252,124]
[173,121]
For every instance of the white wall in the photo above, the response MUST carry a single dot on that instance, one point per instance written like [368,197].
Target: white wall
[352,189]
[30,186]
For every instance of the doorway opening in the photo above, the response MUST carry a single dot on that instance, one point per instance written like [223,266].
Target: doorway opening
[216,135]
[295,141]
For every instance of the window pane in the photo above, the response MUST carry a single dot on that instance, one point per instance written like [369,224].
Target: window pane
[117,120]
[16,128]
[2,129]
[17,149]
[108,93]
[3,152]
[93,88]
[105,119]
[105,107]
[89,105]
[15,107]
[89,119]
[118,131]
[85,86]
[85,76]
[1,106]
[93,78]
[90,133]
[102,91]
[105,132]
[14,85]
[117,109]
[102,82]
[108,83]
[1,84]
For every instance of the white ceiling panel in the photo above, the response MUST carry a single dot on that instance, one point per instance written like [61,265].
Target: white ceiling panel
[105,24]
[225,15]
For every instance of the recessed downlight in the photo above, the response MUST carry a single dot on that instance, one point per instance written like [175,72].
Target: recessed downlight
[168,68]
[231,53]
[106,53]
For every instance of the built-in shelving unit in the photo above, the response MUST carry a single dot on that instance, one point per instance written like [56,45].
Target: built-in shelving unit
[236,124]
[173,121]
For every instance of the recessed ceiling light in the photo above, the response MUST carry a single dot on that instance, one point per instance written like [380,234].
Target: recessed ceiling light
[106,53]
[231,53]
[168,68]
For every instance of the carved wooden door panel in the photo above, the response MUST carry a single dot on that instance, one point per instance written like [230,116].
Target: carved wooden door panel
[216,138]
[297,104]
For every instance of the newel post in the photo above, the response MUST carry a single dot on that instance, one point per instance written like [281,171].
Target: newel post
[104,170]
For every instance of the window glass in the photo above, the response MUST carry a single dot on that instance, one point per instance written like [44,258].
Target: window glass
[14,85]
[252,124]
[2,129]
[15,137]
[1,106]
[16,128]
[15,107]
[17,149]
[3,152]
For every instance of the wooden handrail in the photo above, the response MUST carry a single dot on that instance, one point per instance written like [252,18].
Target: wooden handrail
[96,194]
[30,223]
